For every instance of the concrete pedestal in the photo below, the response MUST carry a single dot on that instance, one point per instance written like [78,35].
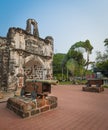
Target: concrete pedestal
[93,89]
[25,107]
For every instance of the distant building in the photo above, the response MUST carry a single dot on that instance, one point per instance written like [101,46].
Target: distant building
[23,54]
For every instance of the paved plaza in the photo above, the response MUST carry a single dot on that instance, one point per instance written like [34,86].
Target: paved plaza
[77,110]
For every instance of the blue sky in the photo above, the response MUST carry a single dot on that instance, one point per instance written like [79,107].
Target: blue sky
[67,21]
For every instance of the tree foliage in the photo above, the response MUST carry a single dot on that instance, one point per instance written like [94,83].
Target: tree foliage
[57,65]
[76,53]
[72,62]
[102,60]
[87,47]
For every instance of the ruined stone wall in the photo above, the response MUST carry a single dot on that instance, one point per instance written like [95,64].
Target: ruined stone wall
[4,62]
[28,55]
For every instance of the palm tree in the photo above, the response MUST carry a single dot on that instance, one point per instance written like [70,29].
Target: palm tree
[106,42]
[87,47]
[76,53]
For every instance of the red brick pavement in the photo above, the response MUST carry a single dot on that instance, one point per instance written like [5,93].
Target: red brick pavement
[77,110]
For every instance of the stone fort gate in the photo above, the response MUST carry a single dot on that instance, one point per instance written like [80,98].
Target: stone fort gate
[23,55]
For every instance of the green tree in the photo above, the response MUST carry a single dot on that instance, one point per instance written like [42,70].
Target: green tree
[57,66]
[88,49]
[106,42]
[72,66]
[102,60]
[76,53]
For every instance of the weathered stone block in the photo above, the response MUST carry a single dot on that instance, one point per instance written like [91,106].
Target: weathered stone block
[27,107]
[45,108]
[52,106]
[23,114]
[40,103]
[33,112]
[51,100]
[17,92]
[93,89]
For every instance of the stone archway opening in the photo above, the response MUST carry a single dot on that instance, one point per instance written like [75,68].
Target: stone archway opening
[32,26]
[34,69]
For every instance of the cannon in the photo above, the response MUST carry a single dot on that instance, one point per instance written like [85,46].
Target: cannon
[97,82]
[34,98]
[94,85]
[35,88]
[53,82]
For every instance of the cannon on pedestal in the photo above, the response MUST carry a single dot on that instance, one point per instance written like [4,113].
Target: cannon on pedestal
[34,98]
[94,85]
[38,87]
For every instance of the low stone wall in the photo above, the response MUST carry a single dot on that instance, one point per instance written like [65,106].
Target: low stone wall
[93,89]
[25,107]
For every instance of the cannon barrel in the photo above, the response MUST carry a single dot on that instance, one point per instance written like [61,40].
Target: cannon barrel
[53,82]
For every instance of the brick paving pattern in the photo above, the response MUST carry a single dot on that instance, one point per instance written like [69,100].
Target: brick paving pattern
[77,110]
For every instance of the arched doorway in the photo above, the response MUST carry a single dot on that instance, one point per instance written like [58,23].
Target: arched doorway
[34,68]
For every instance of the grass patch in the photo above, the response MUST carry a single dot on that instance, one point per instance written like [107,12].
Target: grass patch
[65,83]
[105,86]
[79,82]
